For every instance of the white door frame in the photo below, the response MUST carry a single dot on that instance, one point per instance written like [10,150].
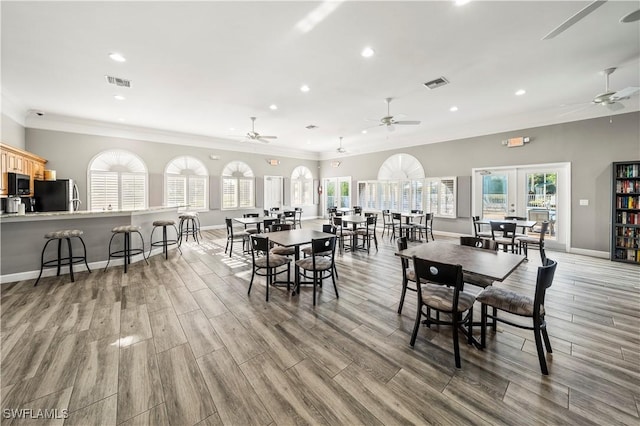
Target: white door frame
[563,240]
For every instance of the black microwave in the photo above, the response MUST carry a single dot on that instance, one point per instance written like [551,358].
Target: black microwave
[18,184]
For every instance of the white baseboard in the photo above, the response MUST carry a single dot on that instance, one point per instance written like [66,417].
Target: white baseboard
[80,267]
[592,253]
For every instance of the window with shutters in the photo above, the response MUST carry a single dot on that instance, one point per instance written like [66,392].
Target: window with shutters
[117,180]
[238,186]
[301,187]
[186,183]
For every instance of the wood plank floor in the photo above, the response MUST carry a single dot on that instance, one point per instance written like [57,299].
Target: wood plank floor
[180,342]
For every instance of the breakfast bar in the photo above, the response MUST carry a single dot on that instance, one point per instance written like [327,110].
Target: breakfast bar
[23,236]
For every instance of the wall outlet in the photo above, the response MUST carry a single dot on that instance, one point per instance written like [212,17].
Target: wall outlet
[584,202]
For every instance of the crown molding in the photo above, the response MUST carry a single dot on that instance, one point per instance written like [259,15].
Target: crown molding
[69,124]
[13,108]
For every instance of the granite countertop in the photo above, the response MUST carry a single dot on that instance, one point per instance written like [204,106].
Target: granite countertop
[14,217]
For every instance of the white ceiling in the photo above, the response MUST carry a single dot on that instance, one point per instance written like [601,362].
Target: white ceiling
[199,69]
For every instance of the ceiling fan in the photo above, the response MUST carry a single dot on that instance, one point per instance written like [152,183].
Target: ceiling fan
[611,98]
[340,149]
[390,122]
[255,136]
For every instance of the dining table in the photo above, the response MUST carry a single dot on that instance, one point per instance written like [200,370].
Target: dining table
[495,265]
[250,221]
[355,220]
[296,238]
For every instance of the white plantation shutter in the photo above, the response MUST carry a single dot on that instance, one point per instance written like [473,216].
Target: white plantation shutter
[104,190]
[118,179]
[133,191]
[176,190]
[197,192]
[301,187]
[245,192]
[229,193]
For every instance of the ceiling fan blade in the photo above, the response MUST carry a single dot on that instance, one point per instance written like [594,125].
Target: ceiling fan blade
[268,137]
[624,93]
[615,106]
[574,19]
[407,122]
[260,139]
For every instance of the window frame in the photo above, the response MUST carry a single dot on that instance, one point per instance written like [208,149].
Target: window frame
[305,185]
[120,171]
[247,177]
[189,179]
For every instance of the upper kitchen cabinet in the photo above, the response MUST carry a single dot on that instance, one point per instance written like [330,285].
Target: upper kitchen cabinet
[14,160]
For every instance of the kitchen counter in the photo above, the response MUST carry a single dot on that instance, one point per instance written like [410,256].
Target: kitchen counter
[22,237]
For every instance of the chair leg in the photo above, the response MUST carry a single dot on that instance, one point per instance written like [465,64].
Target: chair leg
[59,256]
[483,325]
[416,325]
[494,325]
[545,336]
[42,262]
[537,334]
[335,287]
[315,282]
[253,274]
[470,327]
[268,280]
[404,292]
[456,344]
[109,259]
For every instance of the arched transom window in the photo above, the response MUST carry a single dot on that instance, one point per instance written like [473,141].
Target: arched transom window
[238,185]
[401,167]
[186,183]
[301,186]
[117,180]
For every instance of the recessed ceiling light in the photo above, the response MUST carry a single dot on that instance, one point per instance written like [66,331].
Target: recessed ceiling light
[304,88]
[232,128]
[367,52]
[453,108]
[364,132]
[119,97]
[461,2]
[117,57]
[120,119]
[273,107]
[521,92]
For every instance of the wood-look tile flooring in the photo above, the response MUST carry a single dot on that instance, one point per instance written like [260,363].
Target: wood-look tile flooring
[179,342]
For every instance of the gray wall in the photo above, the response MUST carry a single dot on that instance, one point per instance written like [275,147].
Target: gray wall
[590,146]
[70,153]
[12,133]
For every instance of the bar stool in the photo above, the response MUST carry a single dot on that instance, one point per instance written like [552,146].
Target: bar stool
[189,225]
[164,242]
[126,253]
[70,260]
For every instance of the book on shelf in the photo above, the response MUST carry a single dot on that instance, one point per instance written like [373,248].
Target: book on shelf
[628,170]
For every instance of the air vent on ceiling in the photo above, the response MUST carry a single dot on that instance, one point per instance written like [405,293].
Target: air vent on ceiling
[121,82]
[311,126]
[438,82]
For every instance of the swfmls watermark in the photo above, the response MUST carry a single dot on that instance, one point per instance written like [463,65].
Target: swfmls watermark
[31,413]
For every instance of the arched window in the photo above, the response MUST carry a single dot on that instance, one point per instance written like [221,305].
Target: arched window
[401,167]
[238,186]
[186,183]
[301,187]
[117,180]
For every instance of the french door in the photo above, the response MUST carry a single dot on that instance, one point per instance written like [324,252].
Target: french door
[337,192]
[538,193]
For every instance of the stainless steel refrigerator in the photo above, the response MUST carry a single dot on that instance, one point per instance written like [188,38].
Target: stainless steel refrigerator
[56,195]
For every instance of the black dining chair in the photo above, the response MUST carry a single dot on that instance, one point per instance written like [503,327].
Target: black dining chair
[440,288]
[254,229]
[268,262]
[368,233]
[408,274]
[526,242]
[319,264]
[233,235]
[504,233]
[477,228]
[521,305]
[481,243]
[281,250]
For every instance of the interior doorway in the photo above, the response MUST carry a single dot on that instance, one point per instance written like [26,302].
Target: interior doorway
[273,192]
[534,192]
[337,192]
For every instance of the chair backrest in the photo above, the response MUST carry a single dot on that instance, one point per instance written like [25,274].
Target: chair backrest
[402,245]
[514,218]
[428,217]
[544,280]
[251,215]
[544,228]
[328,228]
[280,227]
[371,222]
[259,244]
[266,213]
[323,245]
[476,225]
[483,243]
[268,222]
[290,214]
[417,211]
[227,221]
[367,214]
[386,217]
[337,213]
[439,273]
[298,209]
[357,210]
[337,221]
[503,229]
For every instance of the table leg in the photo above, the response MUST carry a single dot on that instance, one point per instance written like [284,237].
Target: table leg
[296,271]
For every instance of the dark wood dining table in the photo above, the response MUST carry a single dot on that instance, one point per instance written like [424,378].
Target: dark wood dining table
[250,221]
[355,220]
[296,238]
[495,265]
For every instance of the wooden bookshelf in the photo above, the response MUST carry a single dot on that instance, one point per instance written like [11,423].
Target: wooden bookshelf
[625,236]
